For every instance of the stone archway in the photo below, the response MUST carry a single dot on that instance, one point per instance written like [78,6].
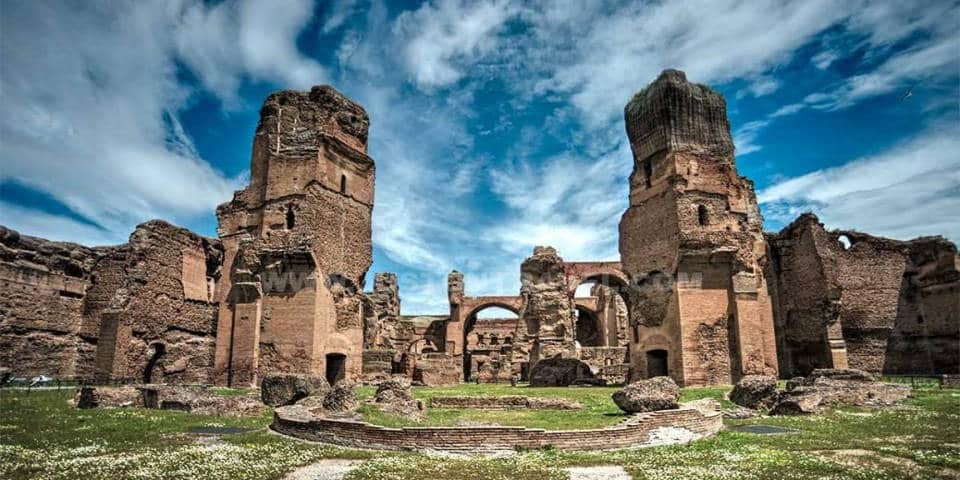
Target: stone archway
[605,273]
[603,290]
[468,327]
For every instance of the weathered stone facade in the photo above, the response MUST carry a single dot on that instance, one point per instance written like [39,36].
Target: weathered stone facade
[44,290]
[692,242]
[850,300]
[700,294]
[141,311]
[297,242]
[160,323]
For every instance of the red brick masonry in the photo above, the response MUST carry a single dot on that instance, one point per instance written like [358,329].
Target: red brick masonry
[634,432]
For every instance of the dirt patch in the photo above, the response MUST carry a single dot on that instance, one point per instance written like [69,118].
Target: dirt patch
[331,469]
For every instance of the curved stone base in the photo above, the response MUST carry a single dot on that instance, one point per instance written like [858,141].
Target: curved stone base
[646,429]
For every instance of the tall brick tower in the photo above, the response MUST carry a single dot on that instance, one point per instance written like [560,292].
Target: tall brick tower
[692,242]
[297,243]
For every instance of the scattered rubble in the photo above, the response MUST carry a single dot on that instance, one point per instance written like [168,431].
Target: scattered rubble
[341,398]
[658,393]
[394,397]
[755,391]
[559,372]
[837,387]
[287,389]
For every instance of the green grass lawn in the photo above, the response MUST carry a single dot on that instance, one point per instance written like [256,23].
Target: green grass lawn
[42,436]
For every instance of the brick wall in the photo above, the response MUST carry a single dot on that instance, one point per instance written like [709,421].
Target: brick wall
[634,432]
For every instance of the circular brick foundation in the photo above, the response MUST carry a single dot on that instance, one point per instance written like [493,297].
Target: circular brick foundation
[646,429]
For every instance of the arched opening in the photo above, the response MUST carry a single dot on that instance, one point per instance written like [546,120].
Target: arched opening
[845,242]
[611,316]
[483,329]
[291,217]
[588,332]
[343,184]
[702,215]
[336,367]
[657,363]
[158,350]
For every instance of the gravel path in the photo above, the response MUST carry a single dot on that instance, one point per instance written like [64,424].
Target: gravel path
[324,470]
[598,473]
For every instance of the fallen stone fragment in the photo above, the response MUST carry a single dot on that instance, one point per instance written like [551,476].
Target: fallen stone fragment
[341,398]
[108,397]
[799,401]
[286,389]
[558,372]
[394,396]
[755,391]
[658,393]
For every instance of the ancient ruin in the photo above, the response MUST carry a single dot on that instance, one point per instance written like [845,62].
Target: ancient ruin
[700,293]
[692,242]
[846,299]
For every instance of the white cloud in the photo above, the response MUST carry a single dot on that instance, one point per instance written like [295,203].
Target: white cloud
[90,116]
[929,61]
[55,227]
[426,173]
[227,42]
[910,190]
[787,110]
[745,138]
[824,59]
[91,100]
[610,52]
[440,38]
[339,12]
[569,202]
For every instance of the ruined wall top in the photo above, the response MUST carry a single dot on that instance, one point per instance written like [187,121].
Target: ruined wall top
[674,114]
[455,287]
[545,266]
[305,137]
[321,110]
[35,253]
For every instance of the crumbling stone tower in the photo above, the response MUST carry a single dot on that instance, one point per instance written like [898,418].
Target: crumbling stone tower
[297,243]
[692,242]
[547,317]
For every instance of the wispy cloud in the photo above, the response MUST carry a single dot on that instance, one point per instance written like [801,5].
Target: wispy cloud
[570,202]
[910,190]
[228,42]
[441,38]
[90,115]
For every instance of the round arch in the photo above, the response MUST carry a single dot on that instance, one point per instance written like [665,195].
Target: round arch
[468,327]
[614,280]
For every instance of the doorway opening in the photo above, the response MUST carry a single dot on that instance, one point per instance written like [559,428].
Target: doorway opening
[657,363]
[336,367]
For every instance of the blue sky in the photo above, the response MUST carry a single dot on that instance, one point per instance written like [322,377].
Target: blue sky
[496,125]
